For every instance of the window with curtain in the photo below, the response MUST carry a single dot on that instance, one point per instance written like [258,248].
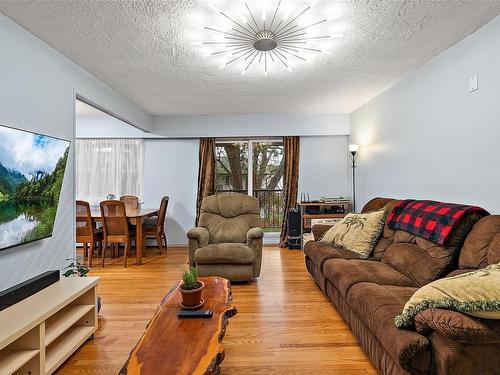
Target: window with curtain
[108,166]
[261,178]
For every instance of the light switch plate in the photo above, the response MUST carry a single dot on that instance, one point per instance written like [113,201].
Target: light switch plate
[473,83]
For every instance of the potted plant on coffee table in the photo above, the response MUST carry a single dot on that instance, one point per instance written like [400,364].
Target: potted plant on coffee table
[190,289]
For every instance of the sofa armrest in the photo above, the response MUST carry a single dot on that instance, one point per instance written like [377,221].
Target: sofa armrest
[458,326]
[254,242]
[319,230]
[198,237]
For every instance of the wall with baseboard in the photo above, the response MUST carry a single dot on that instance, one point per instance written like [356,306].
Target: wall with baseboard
[429,137]
[37,90]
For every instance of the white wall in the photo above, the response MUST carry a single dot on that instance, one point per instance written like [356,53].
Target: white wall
[91,122]
[105,126]
[251,125]
[37,89]
[324,166]
[171,168]
[428,137]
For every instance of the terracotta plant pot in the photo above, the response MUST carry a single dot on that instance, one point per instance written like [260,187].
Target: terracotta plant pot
[192,297]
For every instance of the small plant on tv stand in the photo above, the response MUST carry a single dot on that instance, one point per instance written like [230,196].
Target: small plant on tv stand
[191,289]
[77,267]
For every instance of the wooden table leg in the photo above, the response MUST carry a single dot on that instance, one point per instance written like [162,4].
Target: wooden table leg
[138,240]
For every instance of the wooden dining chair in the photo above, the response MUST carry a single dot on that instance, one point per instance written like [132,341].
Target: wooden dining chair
[131,201]
[155,226]
[86,231]
[116,227]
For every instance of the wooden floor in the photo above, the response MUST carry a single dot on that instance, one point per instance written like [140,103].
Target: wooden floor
[284,325]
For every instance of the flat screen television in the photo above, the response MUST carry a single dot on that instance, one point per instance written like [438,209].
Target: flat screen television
[31,175]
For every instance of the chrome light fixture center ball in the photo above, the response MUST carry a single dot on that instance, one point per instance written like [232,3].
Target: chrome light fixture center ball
[266,41]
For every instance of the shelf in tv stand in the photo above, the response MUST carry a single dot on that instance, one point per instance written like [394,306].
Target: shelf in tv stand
[40,332]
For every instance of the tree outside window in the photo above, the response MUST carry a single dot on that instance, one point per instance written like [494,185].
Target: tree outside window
[263,178]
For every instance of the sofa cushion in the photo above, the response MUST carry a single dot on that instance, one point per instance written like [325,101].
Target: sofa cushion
[224,253]
[458,326]
[424,261]
[423,264]
[383,243]
[377,306]
[482,245]
[474,293]
[345,273]
[319,253]
[357,233]
[387,238]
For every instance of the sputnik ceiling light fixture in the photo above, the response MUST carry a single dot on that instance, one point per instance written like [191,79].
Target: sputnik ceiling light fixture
[255,40]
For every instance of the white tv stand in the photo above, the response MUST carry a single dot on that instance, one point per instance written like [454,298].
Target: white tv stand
[39,333]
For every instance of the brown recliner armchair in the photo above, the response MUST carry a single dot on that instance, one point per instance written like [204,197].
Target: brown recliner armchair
[228,240]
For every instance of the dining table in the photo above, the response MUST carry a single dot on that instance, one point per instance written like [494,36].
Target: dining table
[135,217]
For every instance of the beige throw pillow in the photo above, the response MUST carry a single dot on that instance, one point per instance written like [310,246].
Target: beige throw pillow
[357,232]
[475,293]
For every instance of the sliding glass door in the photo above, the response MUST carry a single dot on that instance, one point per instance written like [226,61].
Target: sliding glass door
[261,178]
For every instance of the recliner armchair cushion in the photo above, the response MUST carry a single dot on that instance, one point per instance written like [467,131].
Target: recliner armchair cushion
[224,253]
[228,217]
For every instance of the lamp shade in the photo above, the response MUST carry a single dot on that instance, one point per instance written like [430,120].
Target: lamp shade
[353,148]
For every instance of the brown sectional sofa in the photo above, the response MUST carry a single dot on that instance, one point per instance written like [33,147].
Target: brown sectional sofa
[370,293]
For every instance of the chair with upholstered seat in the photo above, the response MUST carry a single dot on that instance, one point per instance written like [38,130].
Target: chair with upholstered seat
[228,239]
[86,231]
[131,201]
[155,226]
[116,227]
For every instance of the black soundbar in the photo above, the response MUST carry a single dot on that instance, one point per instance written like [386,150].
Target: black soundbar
[16,293]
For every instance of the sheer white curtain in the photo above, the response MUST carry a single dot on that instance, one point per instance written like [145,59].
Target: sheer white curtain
[108,166]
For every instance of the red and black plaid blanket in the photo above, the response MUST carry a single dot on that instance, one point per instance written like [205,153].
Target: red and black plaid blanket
[428,219]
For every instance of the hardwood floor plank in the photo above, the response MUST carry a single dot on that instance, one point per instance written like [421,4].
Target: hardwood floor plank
[284,325]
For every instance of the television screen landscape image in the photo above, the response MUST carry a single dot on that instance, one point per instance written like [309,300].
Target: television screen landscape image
[31,175]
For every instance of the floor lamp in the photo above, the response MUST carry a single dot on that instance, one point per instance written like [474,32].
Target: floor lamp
[353,149]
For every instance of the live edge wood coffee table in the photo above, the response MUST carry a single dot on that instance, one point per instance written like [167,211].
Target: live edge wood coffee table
[184,346]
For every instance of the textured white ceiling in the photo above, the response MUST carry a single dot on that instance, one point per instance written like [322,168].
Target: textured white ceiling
[143,50]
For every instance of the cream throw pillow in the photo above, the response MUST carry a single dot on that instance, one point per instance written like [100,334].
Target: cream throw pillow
[357,232]
[475,293]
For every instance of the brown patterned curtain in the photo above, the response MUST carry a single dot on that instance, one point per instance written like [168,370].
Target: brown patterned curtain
[290,181]
[206,172]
